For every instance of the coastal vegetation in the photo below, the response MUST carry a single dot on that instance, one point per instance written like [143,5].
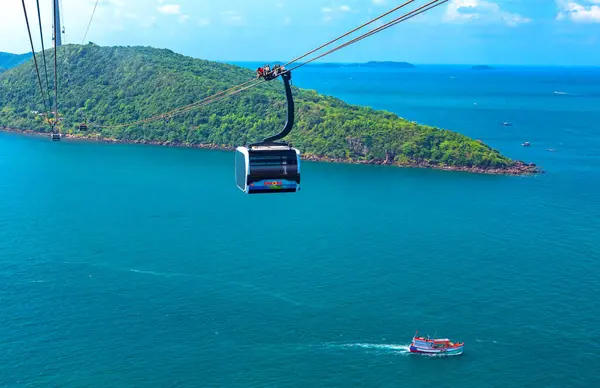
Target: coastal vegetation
[112,85]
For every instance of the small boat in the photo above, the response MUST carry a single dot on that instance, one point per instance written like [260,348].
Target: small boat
[526,144]
[442,347]
[506,124]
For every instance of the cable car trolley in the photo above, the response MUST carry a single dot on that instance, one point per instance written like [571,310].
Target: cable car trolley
[270,166]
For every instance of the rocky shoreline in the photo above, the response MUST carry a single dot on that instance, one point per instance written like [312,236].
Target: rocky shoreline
[519,168]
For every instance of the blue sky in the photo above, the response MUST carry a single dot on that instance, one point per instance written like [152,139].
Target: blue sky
[528,32]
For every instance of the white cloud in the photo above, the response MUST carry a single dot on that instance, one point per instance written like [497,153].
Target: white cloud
[232,17]
[118,3]
[203,22]
[379,2]
[330,13]
[170,9]
[148,23]
[481,10]
[578,12]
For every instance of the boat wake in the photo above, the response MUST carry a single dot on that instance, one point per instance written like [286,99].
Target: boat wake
[249,286]
[171,275]
[565,94]
[394,349]
[380,348]
[163,274]
[487,341]
[482,341]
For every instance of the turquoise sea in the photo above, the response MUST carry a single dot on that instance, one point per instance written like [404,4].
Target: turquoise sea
[143,266]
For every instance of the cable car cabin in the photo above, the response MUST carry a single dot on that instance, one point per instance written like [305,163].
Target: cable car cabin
[270,167]
[55,136]
[267,169]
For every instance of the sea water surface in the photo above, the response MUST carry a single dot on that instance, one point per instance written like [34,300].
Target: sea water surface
[143,266]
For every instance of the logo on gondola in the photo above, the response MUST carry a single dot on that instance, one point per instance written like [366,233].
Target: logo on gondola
[273,183]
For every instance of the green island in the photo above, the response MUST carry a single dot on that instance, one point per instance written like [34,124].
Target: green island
[114,85]
[8,60]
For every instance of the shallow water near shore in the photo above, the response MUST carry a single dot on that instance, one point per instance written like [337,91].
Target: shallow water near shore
[131,265]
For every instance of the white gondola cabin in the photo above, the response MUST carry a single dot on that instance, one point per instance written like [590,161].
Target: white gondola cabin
[267,169]
[270,167]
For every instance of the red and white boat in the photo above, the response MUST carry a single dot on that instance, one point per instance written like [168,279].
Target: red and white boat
[434,346]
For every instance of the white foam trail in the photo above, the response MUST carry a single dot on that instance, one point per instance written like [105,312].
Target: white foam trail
[256,289]
[390,348]
[482,341]
[156,273]
[145,272]
[267,293]
[253,287]
[565,94]
[380,346]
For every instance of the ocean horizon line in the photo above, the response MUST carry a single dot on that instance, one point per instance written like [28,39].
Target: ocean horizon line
[417,64]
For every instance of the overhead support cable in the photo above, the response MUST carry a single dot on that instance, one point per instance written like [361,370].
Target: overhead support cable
[253,83]
[37,70]
[90,23]
[43,50]
[350,32]
[429,6]
[56,117]
[175,112]
[62,16]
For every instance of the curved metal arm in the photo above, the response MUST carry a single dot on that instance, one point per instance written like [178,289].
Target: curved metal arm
[287,76]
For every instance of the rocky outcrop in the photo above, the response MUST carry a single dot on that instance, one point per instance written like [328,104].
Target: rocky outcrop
[357,146]
[389,157]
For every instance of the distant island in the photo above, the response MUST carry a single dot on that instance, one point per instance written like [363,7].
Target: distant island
[113,85]
[402,65]
[482,67]
[371,64]
[8,60]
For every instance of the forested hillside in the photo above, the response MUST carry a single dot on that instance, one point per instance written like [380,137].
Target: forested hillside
[112,85]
